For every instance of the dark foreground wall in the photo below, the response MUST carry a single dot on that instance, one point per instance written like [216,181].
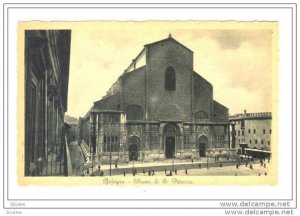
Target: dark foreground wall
[47,56]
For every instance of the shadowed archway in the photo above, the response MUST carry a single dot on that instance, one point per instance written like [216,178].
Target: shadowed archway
[133,148]
[202,145]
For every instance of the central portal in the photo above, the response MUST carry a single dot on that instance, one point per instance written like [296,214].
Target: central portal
[133,148]
[170,147]
[202,142]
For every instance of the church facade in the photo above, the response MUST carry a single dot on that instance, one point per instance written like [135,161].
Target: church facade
[159,108]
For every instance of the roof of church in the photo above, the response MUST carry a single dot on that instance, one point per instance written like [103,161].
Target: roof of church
[171,39]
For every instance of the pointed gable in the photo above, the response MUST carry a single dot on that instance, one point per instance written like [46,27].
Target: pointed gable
[169,39]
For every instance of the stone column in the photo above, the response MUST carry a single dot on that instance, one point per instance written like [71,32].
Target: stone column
[161,141]
[147,137]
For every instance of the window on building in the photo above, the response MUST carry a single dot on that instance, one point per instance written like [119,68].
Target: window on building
[186,141]
[268,142]
[239,141]
[262,142]
[264,131]
[170,79]
[270,131]
[239,133]
[243,124]
[242,133]
[250,141]
[254,131]
[154,142]
[249,131]
[110,143]
[255,141]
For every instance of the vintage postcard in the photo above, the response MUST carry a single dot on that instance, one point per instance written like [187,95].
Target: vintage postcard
[147,103]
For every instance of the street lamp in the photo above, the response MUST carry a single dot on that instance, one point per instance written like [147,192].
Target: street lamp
[133,171]
[206,159]
[110,151]
[92,163]
[110,162]
[173,164]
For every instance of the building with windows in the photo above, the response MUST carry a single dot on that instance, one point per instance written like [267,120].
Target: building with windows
[158,108]
[47,56]
[253,133]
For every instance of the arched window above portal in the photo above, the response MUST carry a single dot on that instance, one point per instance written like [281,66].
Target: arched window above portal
[170,79]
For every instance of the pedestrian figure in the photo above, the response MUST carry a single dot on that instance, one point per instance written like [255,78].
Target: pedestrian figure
[199,165]
[235,174]
[99,167]
[124,173]
[186,171]
[192,160]
[149,173]
[246,163]
[251,167]
[265,173]
[175,171]
[237,166]
[143,171]
[116,165]
[165,171]
[221,165]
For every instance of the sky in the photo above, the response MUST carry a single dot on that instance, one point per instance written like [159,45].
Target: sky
[237,58]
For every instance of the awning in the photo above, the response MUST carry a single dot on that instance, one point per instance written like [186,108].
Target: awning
[257,150]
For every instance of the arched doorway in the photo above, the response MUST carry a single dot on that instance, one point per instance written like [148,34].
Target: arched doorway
[133,147]
[170,147]
[202,143]
[170,132]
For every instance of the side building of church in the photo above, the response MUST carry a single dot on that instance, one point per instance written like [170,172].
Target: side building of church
[158,108]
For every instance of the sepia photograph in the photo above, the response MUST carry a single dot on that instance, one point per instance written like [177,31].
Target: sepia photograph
[151,98]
